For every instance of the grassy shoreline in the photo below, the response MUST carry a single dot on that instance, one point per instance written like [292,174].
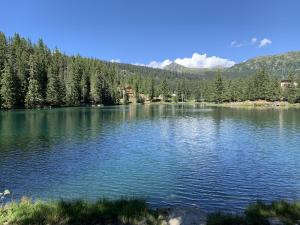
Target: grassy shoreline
[255,104]
[244,104]
[133,212]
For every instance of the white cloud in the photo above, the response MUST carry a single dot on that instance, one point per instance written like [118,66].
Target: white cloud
[264,42]
[204,61]
[196,61]
[115,60]
[155,64]
[160,65]
[253,40]
[235,44]
[139,64]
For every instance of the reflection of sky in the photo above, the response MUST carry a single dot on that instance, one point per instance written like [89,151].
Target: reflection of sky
[170,154]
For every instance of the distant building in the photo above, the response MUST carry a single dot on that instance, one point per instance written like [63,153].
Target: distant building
[128,95]
[287,83]
[128,91]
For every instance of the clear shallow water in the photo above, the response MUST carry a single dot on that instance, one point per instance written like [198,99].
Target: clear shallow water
[215,158]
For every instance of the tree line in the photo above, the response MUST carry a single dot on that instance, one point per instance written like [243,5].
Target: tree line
[260,86]
[32,75]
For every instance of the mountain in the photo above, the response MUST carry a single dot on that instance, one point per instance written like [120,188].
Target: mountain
[277,65]
[280,65]
[182,69]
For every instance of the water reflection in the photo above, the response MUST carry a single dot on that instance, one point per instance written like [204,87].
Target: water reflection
[170,154]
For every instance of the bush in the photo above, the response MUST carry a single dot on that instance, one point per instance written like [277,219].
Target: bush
[225,219]
[79,212]
[258,213]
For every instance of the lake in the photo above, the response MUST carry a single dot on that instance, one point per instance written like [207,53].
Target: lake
[214,158]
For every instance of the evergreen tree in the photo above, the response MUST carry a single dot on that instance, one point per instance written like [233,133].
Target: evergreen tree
[8,88]
[73,89]
[42,57]
[97,87]
[164,89]
[274,90]
[33,97]
[291,90]
[85,87]
[227,93]
[20,51]
[137,88]
[219,88]
[151,89]
[3,51]
[54,95]
[261,85]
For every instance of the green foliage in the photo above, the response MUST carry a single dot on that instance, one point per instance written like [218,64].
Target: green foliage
[73,90]
[101,212]
[276,65]
[292,93]
[54,90]
[225,219]
[164,89]
[260,86]
[8,88]
[3,50]
[258,213]
[33,97]
[219,88]
[102,92]
[151,89]
[36,77]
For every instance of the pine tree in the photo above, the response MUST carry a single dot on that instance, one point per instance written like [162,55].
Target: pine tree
[219,88]
[33,97]
[151,89]
[20,51]
[8,88]
[3,51]
[54,95]
[73,89]
[291,91]
[164,90]
[97,89]
[58,67]
[261,85]
[42,58]
[274,90]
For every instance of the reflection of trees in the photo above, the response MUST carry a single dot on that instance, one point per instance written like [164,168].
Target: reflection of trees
[260,117]
[29,129]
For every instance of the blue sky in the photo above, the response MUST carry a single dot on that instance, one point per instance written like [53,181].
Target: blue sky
[137,31]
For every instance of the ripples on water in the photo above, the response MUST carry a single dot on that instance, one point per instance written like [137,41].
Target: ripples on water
[169,154]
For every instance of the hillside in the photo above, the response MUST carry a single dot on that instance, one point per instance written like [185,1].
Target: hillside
[277,65]
[182,69]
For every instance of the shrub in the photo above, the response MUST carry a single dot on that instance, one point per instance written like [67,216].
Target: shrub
[77,212]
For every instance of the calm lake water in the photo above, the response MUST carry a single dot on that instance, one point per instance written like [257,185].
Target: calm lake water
[215,158]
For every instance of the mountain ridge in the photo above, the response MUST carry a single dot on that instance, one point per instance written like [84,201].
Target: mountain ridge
[277,65]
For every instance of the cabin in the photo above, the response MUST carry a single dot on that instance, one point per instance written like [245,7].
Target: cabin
[287,83]
[128,95]
[128,91]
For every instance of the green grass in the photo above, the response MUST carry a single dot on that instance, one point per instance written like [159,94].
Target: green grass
[77,212]
[257,214]
[132,212]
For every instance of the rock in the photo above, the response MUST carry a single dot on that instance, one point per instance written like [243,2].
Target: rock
[175,221]
[163,222]
[186,216]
